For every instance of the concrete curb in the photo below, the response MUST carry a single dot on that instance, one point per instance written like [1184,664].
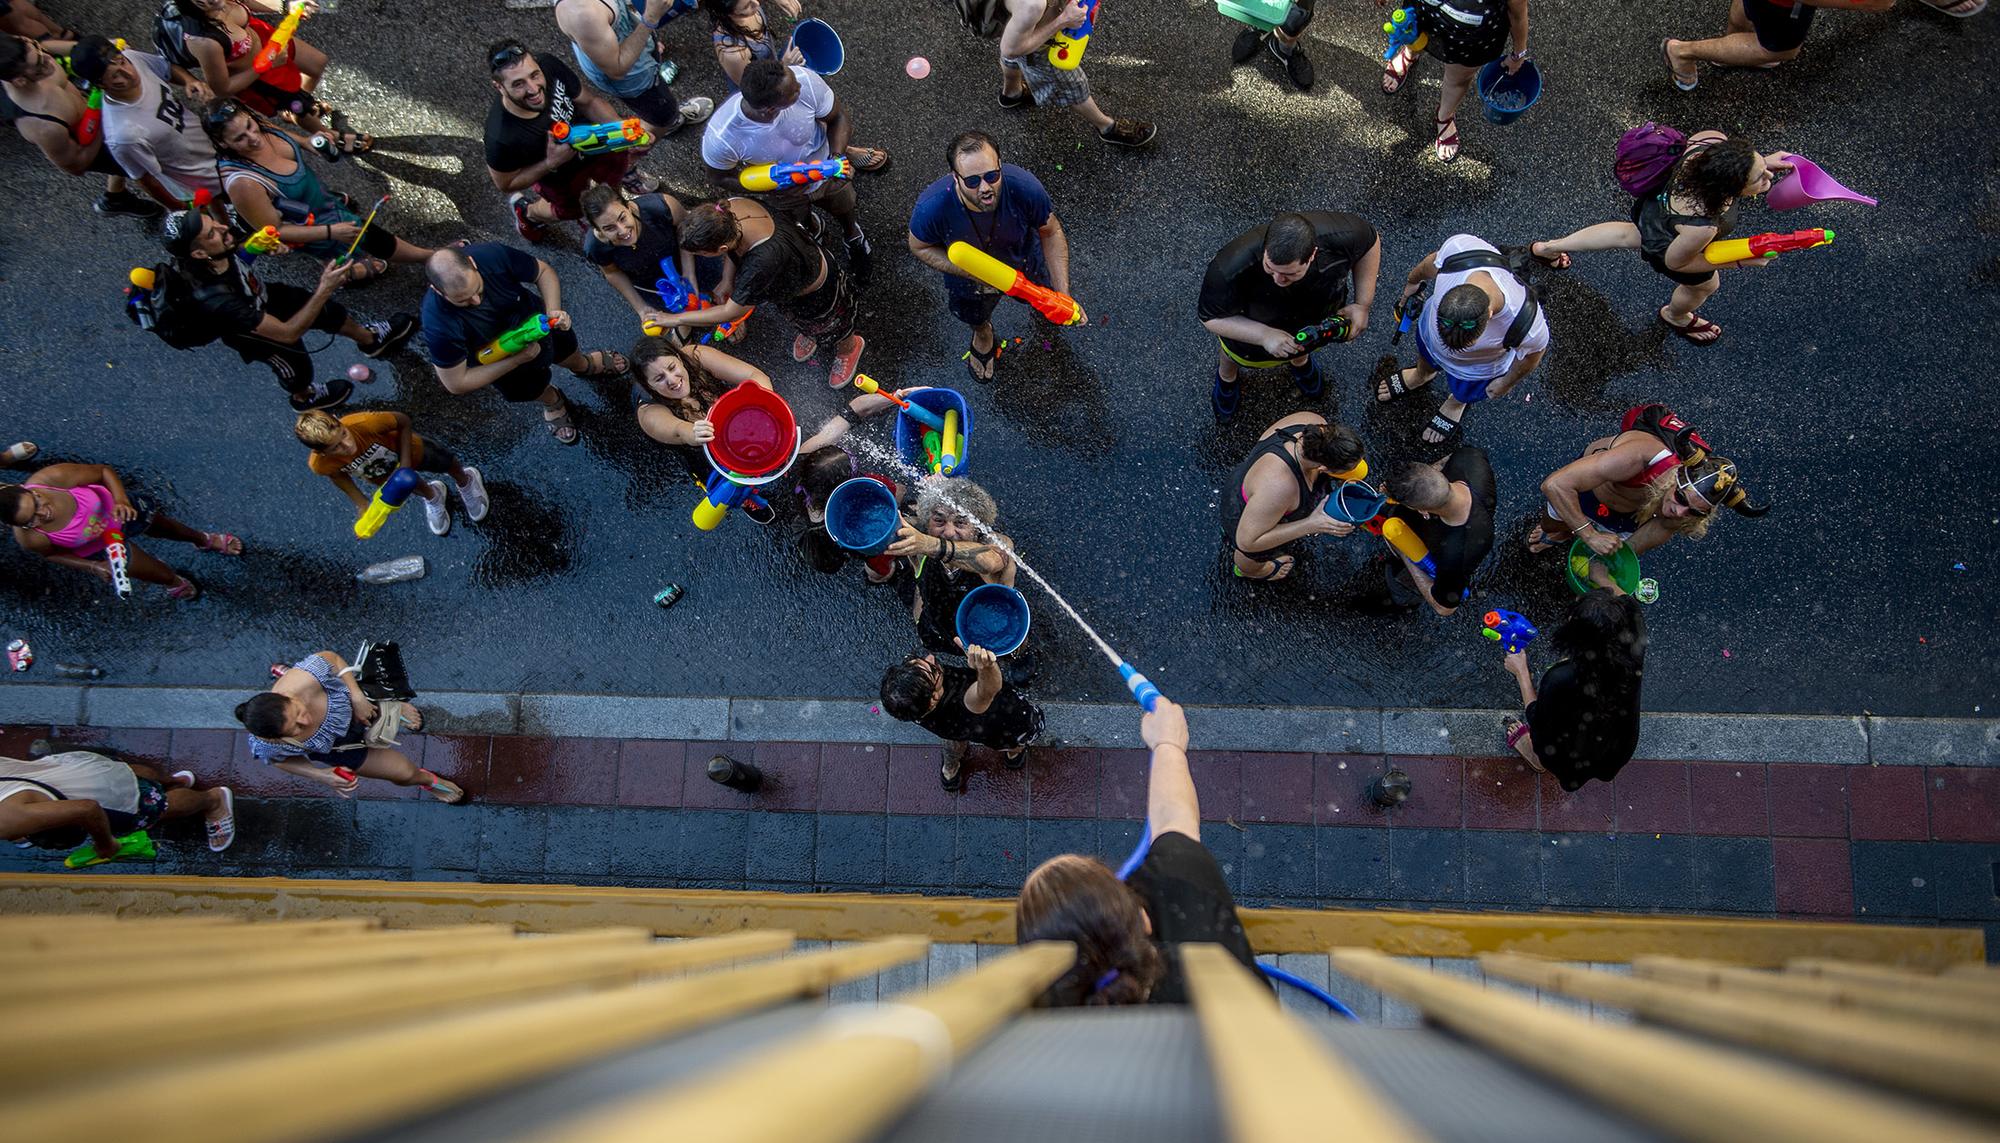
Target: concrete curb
[1839,739]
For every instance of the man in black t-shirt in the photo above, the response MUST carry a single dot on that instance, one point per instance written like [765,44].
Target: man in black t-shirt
[1126,933]
[265,321]
[484,290]
[1273,281]
[542,177]
[1449,505]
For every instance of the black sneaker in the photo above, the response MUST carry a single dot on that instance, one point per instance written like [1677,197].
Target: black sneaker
[125,204]
[1245,48]
[860,257]
[1129,133]
[1018,761]
[390,335]
[1224,398]
[1016,102]
[323,395]
[1298,65]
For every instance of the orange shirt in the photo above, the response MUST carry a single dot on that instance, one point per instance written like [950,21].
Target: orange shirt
[378,442]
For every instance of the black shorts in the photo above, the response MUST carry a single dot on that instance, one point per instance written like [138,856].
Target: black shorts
[974,310]
[656,105]
[291,363]
[1466,45]
[104,164]
[131,529]
[527,382]
[1781,25]
[437,458]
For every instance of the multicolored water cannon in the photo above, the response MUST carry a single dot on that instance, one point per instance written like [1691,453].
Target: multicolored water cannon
[278,47]
[1066,50]
[118,558]
[1059,308]
[1409,545]
[1728,251]
[756,440]
[1404,32]
[1510,629]
[678,296]
[91,127]
[602,138]
[868,384]
[1325,333]
[265,241]
[774,176]
[515,340]
[388,499]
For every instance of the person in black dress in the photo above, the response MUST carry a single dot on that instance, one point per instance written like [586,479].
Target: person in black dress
[1465,35]
[963,706]
[1583,721]
[1127,933]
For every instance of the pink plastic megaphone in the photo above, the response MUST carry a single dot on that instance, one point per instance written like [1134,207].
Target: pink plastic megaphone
[1808,184]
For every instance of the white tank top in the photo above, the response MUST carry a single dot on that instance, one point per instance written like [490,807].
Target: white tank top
[77,774]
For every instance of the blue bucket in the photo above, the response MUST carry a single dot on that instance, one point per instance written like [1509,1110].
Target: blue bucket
[1355,502]
[910,431]
[1508,97]
[993,616]
[820,45]
[861,515]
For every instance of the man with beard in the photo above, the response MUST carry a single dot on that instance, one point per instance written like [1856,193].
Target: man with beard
[543,177]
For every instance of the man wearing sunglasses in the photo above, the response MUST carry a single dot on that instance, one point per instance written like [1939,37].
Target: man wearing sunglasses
[1481,326]
[148,126]
[48,111]
[543,177]
[1002,210]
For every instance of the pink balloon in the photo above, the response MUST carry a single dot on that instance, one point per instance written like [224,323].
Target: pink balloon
[358,372]
[918,67]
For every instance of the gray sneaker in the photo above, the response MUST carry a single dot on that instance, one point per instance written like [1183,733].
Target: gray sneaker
[693,112]
[473,493]
[437,509]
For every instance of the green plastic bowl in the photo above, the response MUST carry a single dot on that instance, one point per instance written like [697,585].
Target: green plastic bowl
[1624,565]
[1263,15]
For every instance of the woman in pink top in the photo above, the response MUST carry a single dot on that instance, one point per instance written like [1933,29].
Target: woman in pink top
[62,512]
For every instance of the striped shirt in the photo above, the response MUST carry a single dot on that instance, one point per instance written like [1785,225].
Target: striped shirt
[339,713]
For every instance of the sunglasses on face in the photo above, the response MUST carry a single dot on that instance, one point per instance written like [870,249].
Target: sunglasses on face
[972,181]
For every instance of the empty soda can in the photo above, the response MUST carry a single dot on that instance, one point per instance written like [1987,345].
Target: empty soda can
[669,595]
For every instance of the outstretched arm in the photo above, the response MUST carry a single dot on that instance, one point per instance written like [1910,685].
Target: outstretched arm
[1172,806]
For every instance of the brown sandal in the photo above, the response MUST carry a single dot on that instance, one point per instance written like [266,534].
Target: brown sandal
[1698,331]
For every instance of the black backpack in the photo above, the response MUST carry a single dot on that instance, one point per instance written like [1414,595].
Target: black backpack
[983,18]
[1515,263]
[169,310]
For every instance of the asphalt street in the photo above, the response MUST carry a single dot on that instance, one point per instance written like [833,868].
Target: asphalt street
[1846,385]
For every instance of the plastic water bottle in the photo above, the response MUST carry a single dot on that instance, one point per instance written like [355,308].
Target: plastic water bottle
[394,571]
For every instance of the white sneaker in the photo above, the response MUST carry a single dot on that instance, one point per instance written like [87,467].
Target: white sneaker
[473,493]
[437,510]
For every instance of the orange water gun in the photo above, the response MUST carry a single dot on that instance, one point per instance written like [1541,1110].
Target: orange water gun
[1059,308]
[278,47]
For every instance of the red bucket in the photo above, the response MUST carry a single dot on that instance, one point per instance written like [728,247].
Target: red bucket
[755,432]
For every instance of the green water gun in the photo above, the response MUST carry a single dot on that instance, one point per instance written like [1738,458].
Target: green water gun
[515,340]
[134,846]
[934,451]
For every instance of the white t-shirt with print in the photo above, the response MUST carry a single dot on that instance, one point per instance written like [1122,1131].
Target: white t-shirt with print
[159,134]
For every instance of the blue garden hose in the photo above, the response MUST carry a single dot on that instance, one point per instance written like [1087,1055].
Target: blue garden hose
[1310,989]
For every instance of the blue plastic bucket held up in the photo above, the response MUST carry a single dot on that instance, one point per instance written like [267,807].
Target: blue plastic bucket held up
[820,45]
[910,431]
[1504,97]
[993,616]
[861,515]
[1355,502]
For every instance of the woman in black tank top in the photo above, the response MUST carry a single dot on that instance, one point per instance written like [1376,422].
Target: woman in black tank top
[1672,226]
[1258,522]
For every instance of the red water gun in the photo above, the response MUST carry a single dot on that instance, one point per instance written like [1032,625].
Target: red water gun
[1729,251]
[275,49]
[91,126]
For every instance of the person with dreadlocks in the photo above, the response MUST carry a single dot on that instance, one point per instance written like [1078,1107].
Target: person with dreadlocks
[1653,480]
[1128,932]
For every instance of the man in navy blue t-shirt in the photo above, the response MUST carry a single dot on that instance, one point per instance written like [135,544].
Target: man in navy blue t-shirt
[1004,211]
[484,290]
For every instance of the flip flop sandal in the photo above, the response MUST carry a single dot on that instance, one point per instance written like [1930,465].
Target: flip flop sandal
[974,359]
[1539,542]
[444,790]
[1699,331]
[1393,77]
[222,833]
[354,142]
[598,363]
[562,423]
[877,161]
[1394,383]
[1957,9]
[1281,566]
[20,452]
[1675,74]
[1446,145]
[1515,728]
[369,270]
[219,542]
[186,591]
[1443,426]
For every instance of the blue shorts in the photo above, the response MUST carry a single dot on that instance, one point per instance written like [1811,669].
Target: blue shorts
[1465,390]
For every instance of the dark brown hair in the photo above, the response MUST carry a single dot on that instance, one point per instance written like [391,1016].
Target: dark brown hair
[1078,899]
[709,226]
[703,389]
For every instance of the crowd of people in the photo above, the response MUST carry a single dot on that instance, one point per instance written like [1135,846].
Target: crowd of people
[217,136]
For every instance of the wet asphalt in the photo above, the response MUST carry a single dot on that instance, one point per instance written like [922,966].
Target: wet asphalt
[1848,385]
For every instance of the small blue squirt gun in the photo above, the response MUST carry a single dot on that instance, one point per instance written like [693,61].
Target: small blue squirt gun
[1510,629]
[1404,33]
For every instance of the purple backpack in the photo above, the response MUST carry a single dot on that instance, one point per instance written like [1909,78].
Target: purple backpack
[1646,156]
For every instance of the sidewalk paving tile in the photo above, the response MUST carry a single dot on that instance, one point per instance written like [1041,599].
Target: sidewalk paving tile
[1227,844]
[1052,837]
[992,852]
[1437,794]
[319,831]
[1503,867]
[1501,793]
[552,771]
[1579,871]
[136,745]
[448,837]
[1278,860]
[1887,803]
[261,826]
[385,834]
[40,704]
[209,753]
[713,843]
[1116,840]
[1935,741]
[849,848]
[1277,788]
[1352,863]
[913,781]
[512,839]
[1808,800]
[1965,804]
[1655,872]
[1894,879]
[1652,797]
[1218,775]
[650,772]
[1426,864]
[1733,875]
[780,847]
[1813,876]
[578,841]
[854,777]
[1729,799]
[1062,782]
[991,788]
[1121,783]
[463,759]
[643,842]
[922,850]
[1968,880]
[1340,790]
[1591,809]
[791,775]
